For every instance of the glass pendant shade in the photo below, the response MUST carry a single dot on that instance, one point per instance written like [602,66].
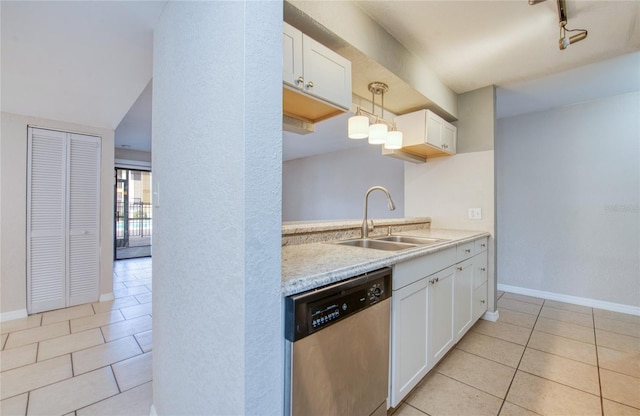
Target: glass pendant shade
[358,127]
[394,140]
[378,133]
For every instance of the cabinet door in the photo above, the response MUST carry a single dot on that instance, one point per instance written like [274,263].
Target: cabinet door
[479,269]
[292,58]
[441,335]
[409,349]
[448,134]
[434,130]
[463,288]
[479,306]
[327,75]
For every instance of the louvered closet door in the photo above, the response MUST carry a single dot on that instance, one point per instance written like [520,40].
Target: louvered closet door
[83,219]
[46,226]
[63,220]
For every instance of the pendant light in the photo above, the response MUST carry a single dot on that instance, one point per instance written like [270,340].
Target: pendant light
[358,126]
[378,132]
[394,140]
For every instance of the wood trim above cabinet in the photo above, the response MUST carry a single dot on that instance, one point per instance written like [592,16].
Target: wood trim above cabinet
[307,108]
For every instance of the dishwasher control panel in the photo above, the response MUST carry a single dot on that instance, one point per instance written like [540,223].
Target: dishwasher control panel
[311,311]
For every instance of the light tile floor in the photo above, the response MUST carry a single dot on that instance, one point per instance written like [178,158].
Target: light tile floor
[542,357]
[92,359]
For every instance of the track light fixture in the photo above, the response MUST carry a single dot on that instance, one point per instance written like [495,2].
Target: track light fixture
[564,41]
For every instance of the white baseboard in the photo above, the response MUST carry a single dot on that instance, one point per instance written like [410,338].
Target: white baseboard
[592,303]
[106,297]
[9,316]
[491,316]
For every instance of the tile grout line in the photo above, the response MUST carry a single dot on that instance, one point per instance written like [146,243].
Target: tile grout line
[506,394]
[475,388]
[26,411]
[424,413]
[595,341]
[113,373]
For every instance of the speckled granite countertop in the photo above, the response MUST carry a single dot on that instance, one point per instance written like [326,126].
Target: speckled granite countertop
[308,266]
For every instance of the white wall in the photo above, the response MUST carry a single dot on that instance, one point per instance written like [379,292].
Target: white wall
[13,178]
[331,186]
[445,188]
[217,159]
[568,185]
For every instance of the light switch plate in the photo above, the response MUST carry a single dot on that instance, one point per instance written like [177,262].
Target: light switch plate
[475,213]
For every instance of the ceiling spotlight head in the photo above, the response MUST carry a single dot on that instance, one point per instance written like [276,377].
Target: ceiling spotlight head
[564,42]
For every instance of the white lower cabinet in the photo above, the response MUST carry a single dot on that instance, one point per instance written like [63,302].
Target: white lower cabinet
[463,290]
[410,360]
[479,306]
[441,335]
[436,299]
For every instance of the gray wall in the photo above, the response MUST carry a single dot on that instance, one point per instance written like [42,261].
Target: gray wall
[476,120]
[331,186]
[217,302]
[568,200]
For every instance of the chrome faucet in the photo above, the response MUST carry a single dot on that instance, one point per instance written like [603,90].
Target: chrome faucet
[365,227]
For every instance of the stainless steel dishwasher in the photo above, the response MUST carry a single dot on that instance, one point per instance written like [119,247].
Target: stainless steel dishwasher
[337,348]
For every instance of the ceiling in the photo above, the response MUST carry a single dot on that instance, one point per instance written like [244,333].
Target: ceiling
[472,44]
[83,62]
[91,62]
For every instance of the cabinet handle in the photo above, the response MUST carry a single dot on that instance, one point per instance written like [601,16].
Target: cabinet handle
[468,251]
[482,269]
[300,82]
[459,269]
[437,279]
[482,301]
[483,245]
[310,85]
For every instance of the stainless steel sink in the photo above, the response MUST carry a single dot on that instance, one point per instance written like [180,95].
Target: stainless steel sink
[411,240]
[377,244]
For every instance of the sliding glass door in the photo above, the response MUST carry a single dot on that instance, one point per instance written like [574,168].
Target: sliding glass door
[133,214]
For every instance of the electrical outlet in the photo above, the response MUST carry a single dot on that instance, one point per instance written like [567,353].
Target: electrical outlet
[475,213]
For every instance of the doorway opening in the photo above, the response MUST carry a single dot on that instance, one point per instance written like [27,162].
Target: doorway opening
[133,214]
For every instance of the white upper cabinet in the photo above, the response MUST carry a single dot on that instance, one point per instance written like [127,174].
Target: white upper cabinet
[292,59]
[427,134]
[317,81]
